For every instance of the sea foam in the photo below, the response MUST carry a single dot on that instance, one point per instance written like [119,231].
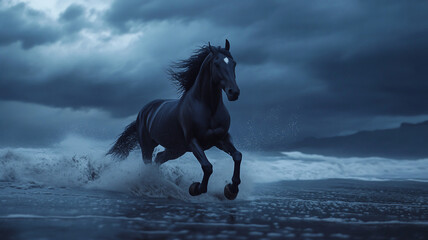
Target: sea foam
[82,163]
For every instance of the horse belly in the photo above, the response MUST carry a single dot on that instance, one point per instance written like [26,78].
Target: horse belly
[169,138]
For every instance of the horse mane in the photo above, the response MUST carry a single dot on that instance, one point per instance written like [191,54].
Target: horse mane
[183,73]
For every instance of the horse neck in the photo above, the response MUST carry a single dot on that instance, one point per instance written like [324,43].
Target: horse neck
[204,90]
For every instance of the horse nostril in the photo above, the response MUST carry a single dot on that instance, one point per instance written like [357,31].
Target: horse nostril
[230,91]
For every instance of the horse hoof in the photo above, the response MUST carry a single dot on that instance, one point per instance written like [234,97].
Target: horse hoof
[230,191]
[194,189]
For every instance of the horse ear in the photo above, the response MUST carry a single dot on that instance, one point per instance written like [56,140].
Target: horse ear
[209,46]
[227,47]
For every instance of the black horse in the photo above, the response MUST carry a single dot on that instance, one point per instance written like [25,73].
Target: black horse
[195,122]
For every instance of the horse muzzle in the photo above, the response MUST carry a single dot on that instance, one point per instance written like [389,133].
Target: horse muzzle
[232,94]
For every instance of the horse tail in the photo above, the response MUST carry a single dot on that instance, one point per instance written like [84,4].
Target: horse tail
[126,142]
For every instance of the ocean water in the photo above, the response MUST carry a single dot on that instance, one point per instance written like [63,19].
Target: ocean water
[73,191]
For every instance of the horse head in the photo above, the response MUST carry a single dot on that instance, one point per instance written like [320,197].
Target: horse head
[223,71]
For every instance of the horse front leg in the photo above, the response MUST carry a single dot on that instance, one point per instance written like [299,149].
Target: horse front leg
[231,190]
[197,188]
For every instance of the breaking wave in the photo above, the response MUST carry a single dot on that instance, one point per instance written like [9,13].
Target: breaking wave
[85,165]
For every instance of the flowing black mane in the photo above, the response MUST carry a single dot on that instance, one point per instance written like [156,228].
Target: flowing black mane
[184,72]
[187,70]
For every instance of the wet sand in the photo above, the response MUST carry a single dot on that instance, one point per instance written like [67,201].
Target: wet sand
[313,209]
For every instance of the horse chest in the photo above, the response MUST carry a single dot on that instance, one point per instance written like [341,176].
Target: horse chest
[215,128]
[206,125]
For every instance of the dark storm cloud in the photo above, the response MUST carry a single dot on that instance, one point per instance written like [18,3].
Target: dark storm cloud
[28,26]
[73,18]
[235,13]
[318,68]
[377,63]
[389,80]
[79,91]
[73,12]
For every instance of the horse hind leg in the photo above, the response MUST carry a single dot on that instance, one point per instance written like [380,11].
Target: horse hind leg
[147,147]
[147,153]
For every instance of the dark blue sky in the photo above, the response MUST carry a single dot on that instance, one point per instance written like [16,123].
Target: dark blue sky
[305,68]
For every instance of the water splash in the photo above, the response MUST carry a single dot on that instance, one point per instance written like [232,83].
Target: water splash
[85,165]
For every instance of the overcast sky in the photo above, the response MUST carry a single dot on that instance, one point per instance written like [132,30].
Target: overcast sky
[305,68]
